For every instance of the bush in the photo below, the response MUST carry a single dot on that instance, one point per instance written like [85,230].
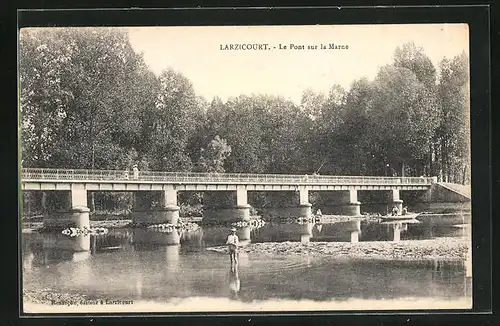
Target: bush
[187,210]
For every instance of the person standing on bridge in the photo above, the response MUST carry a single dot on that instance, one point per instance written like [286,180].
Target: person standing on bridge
[232,243]
[136,171]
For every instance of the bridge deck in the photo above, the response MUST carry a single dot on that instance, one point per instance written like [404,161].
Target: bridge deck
[109,176]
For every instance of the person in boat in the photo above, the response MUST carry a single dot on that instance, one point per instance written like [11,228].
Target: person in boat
[318,213]
[395,211]
[232,244]
[404,211]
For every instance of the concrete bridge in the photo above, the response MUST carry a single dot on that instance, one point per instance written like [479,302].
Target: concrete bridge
[162,187]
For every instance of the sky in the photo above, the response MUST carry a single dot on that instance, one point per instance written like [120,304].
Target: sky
[196,53]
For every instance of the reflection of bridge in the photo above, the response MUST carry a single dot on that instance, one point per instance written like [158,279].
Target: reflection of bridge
[162,187]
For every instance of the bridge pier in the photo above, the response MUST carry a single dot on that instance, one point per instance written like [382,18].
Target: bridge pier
[156,207]
[289,204]
[242,206]
[339,202]
[74,212]
[395,200]
[347,202]
[350,204]
[305,207]
[221,208]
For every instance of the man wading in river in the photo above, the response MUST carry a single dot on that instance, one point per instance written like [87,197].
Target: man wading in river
[232,243]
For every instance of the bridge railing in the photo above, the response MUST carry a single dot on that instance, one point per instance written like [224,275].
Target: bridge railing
[193,177]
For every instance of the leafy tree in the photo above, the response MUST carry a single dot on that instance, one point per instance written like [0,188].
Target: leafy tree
[86,84]
[453,134]
[352,136]
[411,57]
[213,157]
[172,123]
[404,117]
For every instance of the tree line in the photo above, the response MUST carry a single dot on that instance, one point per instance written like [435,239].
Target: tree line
[88,101]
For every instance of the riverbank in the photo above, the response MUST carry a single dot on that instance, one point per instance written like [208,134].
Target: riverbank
[439,248]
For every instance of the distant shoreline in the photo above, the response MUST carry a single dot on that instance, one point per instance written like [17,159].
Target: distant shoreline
[28,225]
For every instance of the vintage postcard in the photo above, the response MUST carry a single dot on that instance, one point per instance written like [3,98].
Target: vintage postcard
[245,168]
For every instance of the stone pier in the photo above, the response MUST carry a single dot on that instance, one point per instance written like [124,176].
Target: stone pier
[350,204]
[340,202]
[70,208]
[305,209]
[156,207]
[290,204]
[394,200]
[218,208]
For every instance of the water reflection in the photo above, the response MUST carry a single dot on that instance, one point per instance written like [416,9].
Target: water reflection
[396,231]
[348,231]
[151,239]
[244,235]
[149,265]
[234,281]
[60,241]
[279,232]
[345,231]
[118,239]
[243,259]
[49,249]
[138,286]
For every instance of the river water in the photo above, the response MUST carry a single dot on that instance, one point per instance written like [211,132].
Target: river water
[143,266]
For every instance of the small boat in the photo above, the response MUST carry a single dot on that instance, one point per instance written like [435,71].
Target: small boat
[407,216]
[402,221]
[460,226]
[111,248]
